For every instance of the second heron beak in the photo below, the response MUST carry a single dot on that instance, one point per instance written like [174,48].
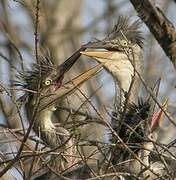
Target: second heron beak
[66,66]
[64,89]
[101,56]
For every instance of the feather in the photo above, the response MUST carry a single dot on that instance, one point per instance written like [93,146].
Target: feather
[30,78]
[131,31]
[133,128]
[122,31]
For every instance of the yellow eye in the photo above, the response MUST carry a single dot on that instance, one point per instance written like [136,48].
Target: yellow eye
[48,82]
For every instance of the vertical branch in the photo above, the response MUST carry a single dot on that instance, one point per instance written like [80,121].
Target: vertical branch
[36,30]
[37,39]
[16,158]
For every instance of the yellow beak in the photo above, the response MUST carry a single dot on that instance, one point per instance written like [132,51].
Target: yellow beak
[98,54]
[69,86]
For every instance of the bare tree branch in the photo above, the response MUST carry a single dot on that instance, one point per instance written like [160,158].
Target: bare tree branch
[162,29]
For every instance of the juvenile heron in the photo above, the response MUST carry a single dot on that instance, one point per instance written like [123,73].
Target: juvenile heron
[123,53]
[123,59]
[45,84]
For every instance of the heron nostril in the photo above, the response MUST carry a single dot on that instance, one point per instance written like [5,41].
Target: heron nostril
[58,82]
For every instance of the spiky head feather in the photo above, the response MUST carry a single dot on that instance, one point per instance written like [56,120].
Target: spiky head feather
[30,79]
[124,34]
[125,29]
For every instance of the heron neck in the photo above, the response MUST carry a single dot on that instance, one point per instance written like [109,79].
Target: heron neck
[44,119]
[53,137]
[137,70]
[43,122]
[123,71]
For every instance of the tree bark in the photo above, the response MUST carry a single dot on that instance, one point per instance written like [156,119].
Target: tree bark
[162,29]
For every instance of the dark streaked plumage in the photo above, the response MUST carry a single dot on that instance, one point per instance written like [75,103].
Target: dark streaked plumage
[133,128]
[140,110]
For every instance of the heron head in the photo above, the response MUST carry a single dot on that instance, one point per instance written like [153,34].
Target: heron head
[124,40]
[47,79]
[119,50]
[124,35]
[45,76]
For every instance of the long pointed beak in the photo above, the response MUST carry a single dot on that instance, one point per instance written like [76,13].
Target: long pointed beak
[69,87]
[65,67]
[99,54]
[97,45]
[103,44]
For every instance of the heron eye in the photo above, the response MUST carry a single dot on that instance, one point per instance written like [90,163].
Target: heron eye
[48,82]
[130,50]
[125,43]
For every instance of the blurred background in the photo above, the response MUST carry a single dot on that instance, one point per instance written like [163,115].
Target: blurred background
[64,26]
